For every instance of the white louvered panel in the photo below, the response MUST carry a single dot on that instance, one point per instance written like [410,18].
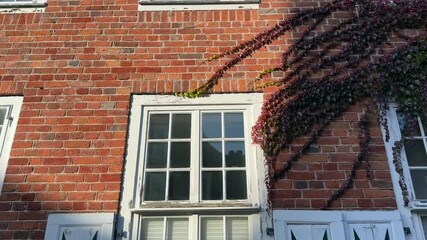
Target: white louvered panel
[305,231]
[237,228]
[177,229]
[152,229]
[212,228]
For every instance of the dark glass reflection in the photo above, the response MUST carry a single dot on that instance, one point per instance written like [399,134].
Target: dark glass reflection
[419,180]
[180,155]
[157,155]
[415,152]
[236,185]
[181,126]
[2,115]
[211,125]
[159,126]
[211,185]
[179,185]
[235,154]
[155,185]
[233,125]
[212,154]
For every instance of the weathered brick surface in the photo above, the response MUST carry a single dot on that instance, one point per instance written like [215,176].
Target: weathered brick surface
[77,64]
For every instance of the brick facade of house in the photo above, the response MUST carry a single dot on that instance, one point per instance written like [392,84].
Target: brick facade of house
[76,65]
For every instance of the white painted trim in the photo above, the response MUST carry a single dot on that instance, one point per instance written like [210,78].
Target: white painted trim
[14,108]
[23,7]
[56,221]
[141,104]
[195,7]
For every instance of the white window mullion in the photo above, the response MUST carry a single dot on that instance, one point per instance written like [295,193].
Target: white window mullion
[165,221]
[224,227]
[195,173]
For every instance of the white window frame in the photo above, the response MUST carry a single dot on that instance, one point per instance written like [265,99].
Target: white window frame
[13,105]
[338,221]
[254,207]
[177,5]
[411,213]
[12,6]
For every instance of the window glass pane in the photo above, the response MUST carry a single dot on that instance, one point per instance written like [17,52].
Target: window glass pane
[177,229]
[159,126]
[212,154]
[152,229]
[403,122]
[157,155]
[180,154]
[237,228]
[212,185]
[2,115]
[415,152]
[211,228]
[235,154]
[155,185]
[419,180]
[236,184]
[211,125]
[181,126]
[233,125]
[424,222]
[424,122]
[179,185]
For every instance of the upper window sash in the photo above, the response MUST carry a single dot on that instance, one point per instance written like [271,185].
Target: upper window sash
[197,143]
[9,113]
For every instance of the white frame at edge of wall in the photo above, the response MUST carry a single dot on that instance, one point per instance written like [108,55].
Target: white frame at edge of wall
[14,108]
[410,214]
[130,192]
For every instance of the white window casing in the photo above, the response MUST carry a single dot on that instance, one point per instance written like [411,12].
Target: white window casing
[134,205]
[178,5]
[17,6]
[411,214]
[10,107]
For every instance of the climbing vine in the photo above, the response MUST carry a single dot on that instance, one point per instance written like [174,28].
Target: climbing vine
[354,61]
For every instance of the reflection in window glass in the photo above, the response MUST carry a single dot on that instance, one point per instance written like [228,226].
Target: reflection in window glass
[235,154]
[2,115]
[179,185]
[415,152]
[155,186]
[212,185]
[181,126]
[236,185]
[419,181]
[233,125]
[157,155]
[212,154]
[159,126]
[211,125]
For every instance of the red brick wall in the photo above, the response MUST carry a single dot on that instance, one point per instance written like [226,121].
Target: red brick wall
[76,65]
[319,173]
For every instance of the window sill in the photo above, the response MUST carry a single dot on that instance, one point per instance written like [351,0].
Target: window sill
[22,7]
[196,210]
[173,6]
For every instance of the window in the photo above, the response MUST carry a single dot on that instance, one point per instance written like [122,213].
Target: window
[327,225]
[9,113]
[191,170]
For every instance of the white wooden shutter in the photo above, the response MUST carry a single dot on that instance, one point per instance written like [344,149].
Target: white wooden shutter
[305,231]
[152,228]
[177,229]
[212,228]
[80,226]
[237,228]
